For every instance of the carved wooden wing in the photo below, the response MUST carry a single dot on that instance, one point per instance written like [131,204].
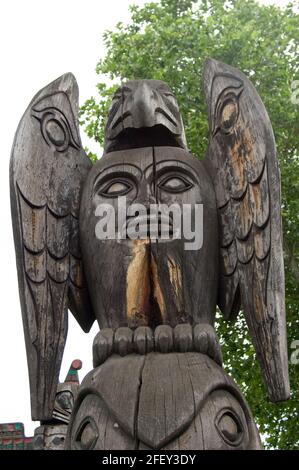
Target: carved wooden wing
[242,162]
[48,167]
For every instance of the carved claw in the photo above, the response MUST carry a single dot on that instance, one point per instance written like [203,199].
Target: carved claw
[206,342]
[102,346]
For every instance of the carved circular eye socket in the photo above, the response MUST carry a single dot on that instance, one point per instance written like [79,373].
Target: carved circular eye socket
[116,188]
[175,184]
[229,115]
[87,435]
[55,132]
[229,427]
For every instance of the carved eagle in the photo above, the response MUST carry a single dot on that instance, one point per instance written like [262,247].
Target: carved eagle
[49,169]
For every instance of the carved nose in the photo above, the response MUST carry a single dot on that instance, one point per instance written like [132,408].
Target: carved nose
[145,197]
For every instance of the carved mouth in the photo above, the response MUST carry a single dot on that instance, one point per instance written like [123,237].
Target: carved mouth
[130,137]
[150,226]
[167,115]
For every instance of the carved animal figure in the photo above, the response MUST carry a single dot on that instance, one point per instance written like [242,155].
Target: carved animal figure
[157,358]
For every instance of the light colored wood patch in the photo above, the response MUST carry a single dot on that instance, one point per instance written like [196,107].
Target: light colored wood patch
[175,276]
[138,283]
[157,292]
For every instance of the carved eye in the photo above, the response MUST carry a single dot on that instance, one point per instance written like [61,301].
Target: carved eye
[227,110]
[168,95]
[228,115]
[87,435]
[175,184]
[55,129]
[229,427]
[55,132]
[121,93]
[116,188]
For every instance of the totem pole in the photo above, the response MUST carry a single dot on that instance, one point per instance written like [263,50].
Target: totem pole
[158,381]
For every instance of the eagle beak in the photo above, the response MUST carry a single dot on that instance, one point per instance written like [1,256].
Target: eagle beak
[142,106]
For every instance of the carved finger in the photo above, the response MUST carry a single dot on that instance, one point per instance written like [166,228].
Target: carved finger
[123,341]
[102,346]
[164,338]
[143,340]
[183,338]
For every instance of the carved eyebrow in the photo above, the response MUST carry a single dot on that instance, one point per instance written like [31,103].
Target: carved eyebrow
[165,90]
[172,169]
[164,166]
[119,169]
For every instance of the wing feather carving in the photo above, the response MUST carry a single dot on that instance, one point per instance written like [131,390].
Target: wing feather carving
[242,161]
[48,169]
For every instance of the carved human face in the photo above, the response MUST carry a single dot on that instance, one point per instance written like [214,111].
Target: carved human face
[147,281]
[144,178]
[143,113]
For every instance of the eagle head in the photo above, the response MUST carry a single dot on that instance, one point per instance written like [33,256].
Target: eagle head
[144,113]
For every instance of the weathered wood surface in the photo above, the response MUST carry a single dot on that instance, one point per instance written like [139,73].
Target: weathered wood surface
[146,282]
[166,401]
[165,339]
[243,163]
[51,435]
[150,296]
[47,170]
[144,113]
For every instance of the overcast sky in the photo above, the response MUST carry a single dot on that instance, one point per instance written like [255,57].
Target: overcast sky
[39,41]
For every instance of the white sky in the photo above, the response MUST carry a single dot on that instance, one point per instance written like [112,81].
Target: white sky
[40,41]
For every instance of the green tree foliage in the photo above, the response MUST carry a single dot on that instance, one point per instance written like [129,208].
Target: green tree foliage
[169,41]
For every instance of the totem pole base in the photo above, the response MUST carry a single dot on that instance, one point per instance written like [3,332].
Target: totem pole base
[173,401]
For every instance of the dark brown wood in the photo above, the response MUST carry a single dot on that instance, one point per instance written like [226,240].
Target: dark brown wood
[148,282]
[242,161]
[47,170]
[167,401]
[143,113]
[158,381]
[51,435]
[165,339]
